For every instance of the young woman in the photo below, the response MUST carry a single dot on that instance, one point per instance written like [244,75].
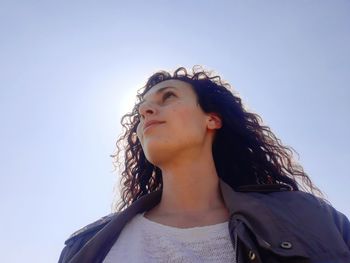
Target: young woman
[204,181]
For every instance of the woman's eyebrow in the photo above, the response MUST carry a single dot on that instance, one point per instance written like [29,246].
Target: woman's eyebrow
[158,92]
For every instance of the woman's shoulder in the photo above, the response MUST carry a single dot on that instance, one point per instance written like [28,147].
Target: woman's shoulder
[80,237]
[293,201]
[92,227]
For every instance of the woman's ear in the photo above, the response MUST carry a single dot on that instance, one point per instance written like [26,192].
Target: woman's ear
[214,121]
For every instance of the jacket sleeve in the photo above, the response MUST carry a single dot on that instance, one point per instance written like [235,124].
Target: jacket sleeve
[342,223]
[72,247]
[79,238]
[63,255]
[66,254]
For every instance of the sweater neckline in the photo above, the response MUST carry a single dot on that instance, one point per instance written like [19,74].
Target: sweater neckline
[213,227]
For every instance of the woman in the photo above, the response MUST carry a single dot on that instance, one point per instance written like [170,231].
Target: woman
[204,181]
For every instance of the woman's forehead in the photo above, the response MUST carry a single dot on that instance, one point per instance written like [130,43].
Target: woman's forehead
[171,83]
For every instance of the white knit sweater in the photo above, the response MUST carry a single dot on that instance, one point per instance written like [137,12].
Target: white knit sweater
[143,240]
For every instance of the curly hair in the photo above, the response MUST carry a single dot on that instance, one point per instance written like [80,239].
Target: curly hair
[245,151]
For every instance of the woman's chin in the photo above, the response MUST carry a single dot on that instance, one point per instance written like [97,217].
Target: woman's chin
[157,157]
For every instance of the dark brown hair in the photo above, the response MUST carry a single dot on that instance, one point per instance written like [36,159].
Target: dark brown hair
[245,151]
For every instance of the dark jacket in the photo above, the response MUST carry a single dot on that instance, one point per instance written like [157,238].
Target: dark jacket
[268,223]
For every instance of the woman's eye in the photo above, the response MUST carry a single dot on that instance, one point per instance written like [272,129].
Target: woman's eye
[167,95]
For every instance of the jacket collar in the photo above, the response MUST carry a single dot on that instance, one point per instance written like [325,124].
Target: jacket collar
[97,248]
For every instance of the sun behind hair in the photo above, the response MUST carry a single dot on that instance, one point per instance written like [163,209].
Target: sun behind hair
[245,151]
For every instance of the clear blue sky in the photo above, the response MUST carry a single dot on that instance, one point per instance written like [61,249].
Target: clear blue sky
[69,71]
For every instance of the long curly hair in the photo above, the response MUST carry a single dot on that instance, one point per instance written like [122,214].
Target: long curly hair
[245,151]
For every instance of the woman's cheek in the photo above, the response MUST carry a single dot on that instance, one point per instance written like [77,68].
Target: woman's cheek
[138,132]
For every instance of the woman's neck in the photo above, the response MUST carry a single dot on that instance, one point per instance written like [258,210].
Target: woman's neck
[190,187]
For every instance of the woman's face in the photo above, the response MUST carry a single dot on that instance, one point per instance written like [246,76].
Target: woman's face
[181,128]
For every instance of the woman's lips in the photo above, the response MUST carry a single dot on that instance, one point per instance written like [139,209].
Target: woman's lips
[151,124]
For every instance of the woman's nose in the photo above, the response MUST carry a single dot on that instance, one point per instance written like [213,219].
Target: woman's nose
[146,108]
